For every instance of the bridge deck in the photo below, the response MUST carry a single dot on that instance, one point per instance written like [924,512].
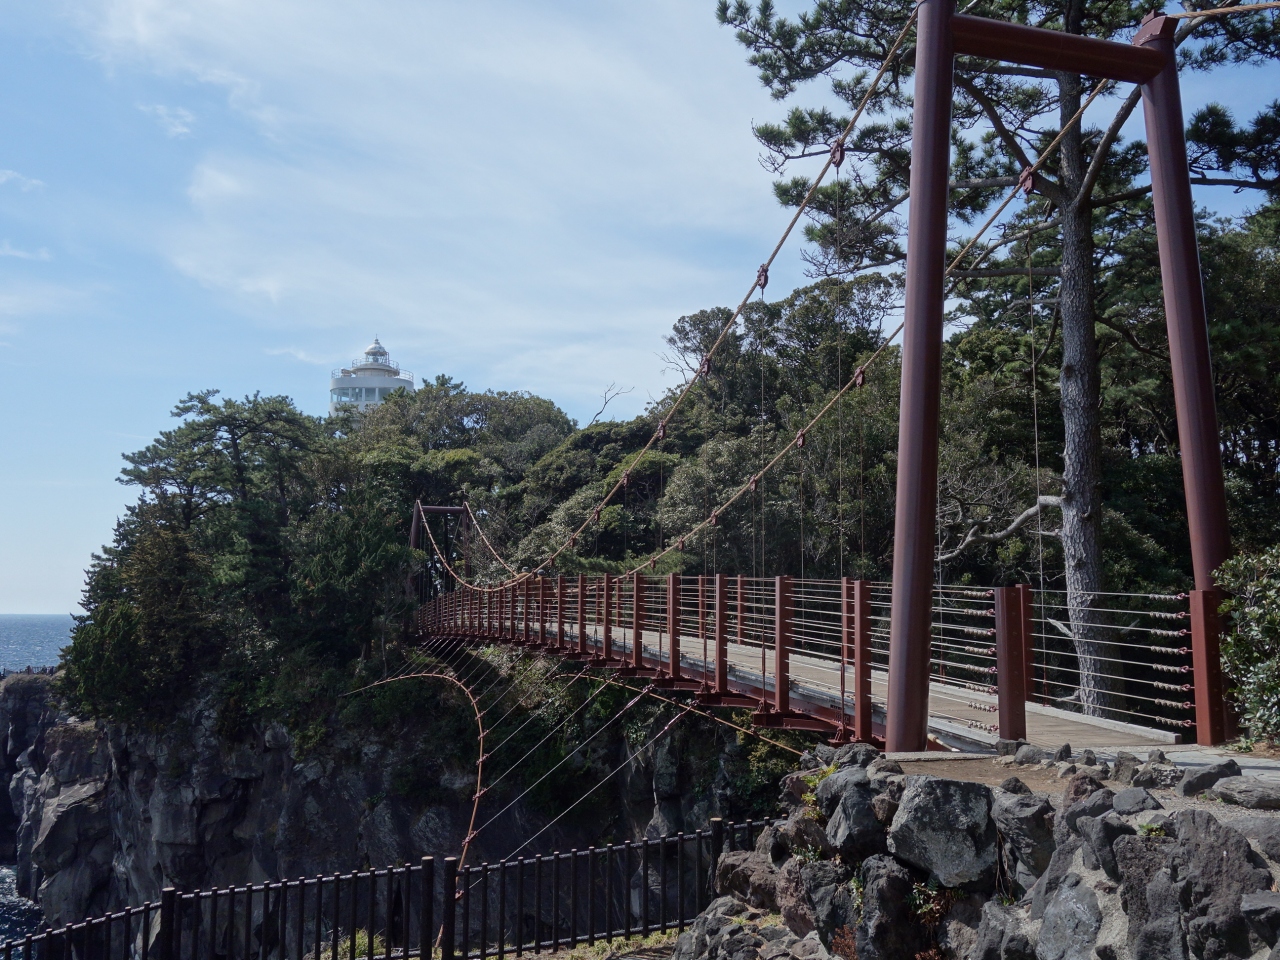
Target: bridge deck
[959,717]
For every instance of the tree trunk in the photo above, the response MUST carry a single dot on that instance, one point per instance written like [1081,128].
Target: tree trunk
[1079,385]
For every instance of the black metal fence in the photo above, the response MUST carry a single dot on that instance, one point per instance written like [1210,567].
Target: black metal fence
[521,905]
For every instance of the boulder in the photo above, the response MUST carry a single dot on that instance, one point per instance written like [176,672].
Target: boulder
[855,755]
[957,933]
[853,830]
[1264,832]
[1139,859]
[1009,748]
[830,901]
[797,835]
[883,765]
[1161,939]
[1071,922]
[1028,754]
[750,876]
[1125,767]
[1025,824]
[1156,772]
[1002,934]
[1066,770]
[1212,868]
[945,827]
[1133,800]
[1078,788]
[1097,804]
[810,948]
[1014,785]
[831,789]
[1099,835]
[1059,866]
[1262,912]
[1196,780]
[887,930]
[1062,753]
[1088,758]
[1247,792]
[794,787]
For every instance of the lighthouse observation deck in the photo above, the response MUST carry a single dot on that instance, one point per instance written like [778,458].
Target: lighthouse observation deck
[368,380]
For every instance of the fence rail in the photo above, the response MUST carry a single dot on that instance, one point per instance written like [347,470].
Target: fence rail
[512,907]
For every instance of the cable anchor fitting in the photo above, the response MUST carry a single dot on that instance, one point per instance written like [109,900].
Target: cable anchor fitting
[837,154]
[799,439]
[762,277]
[860,377]
[1027,181]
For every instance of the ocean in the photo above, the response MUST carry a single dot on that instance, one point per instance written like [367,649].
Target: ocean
[26,641]
[32,640]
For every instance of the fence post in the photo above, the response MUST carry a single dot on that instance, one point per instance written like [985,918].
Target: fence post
[168,903]
[1206,664]
[449,905]
[673,623]
[781,643]
[637,620]
[1010,670]
[717,848]
[426,908]
[862,660]
[582,613]
[702,628]
[722,635]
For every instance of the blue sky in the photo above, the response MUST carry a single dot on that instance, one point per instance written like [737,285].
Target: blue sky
[239,194]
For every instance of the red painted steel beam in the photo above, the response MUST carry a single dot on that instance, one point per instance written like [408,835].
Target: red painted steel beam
[1193,390]
[1053,49]
[862,727]
[722,635]
[917,486]
[1011,686]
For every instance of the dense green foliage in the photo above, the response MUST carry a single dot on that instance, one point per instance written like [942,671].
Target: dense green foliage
[1251,647]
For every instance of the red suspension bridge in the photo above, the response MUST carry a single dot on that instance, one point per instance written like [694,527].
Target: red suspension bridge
[863,660]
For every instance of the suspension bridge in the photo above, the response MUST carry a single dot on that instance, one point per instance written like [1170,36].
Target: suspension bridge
[908,664]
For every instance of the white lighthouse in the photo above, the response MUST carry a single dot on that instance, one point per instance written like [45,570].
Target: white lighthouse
[368,381]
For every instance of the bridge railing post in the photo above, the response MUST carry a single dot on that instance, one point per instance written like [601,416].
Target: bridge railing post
[544,590]
[1206,666]
[782,595]
[673,624]
[722,635]
[862,660]
[528,612]
[560,597]
[702,628]
[1011,684]
[606,624]
[582,614]
[637,617]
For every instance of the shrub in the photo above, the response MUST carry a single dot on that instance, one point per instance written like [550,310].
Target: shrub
[1251,644]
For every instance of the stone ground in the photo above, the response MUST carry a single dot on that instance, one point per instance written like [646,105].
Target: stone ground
[1262,763]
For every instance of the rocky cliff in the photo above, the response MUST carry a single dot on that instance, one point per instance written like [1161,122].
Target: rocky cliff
[102,815]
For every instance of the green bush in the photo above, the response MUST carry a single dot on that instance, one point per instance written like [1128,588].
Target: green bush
[1251,645]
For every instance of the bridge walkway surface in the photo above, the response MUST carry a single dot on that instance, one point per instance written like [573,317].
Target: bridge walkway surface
[960,716]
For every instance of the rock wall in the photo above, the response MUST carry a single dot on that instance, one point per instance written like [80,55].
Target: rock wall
[104,815]
[872,864]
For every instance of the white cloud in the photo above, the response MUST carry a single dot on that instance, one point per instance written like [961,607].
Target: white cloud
[7,250]
[175,121]
[25,184]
